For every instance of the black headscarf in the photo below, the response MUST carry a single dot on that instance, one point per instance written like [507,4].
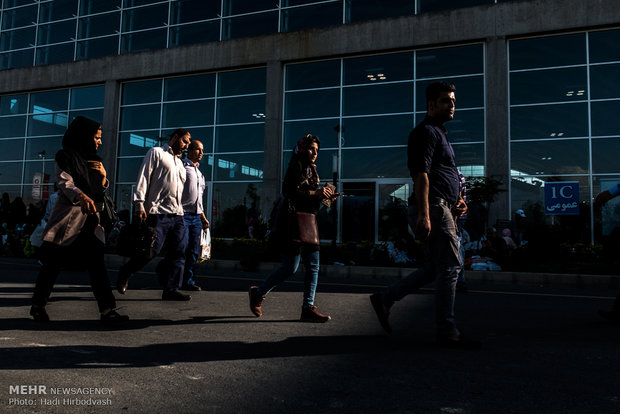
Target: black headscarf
[311,177]
[78,147]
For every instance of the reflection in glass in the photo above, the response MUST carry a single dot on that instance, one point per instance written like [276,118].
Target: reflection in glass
[185,114]
[17,39]
[377,130]
[142,92]
[12,126]
[14,18]
[375,163]
[149,40]
[140,117]
[450,61]
[89,97]
[378,69]
[57,10]
[45,122]
[190,34]
[312,104]
[241,82]
[241,110]
[250,25]
[13,104]
[11,172]
[604,81]
[49,101]
[236,167]
[550,157]
[184,11]
[36,147]
[469,159]
[18,59]
[145,17]
[321,74]
[231,202]
[605,153]
[325,129]
[127,170]
[100,25]
[378,99]
[358,212]
[467,125]
[46,168]
[549,121]
[551,51]
[469,92]
[605,120]
[240,138]
[361,10]
[393,214]
[55,54]
[95,48]
[94,114]
[553,85]
[321,15]
[604,46]
[138,142]
[12,150]
[610,213]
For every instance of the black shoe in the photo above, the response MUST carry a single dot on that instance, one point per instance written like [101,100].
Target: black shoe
[113,318]
[377,304]
[609,315]
[460,342]
[175,295]
[191,288]
[39,314]
[122,281]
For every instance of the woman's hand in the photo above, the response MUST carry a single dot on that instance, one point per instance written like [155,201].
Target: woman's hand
[98,167]
[86,204]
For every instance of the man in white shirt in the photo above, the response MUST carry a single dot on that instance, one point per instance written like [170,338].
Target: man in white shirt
[194,216]
[157,199]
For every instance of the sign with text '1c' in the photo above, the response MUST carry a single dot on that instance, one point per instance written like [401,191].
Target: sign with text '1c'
[562,198]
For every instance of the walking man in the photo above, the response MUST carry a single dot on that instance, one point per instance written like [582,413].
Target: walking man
[157,199]
[432,213]
[193,212]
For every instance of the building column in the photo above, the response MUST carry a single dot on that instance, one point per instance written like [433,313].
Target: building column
[497,136]
[109,149]
[272,174]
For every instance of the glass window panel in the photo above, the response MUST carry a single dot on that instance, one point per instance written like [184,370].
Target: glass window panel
[393,212]
[47,123]
[12,126]
[128,169]
[206,167]
[426,6]
[98,6]
[38,147]
[288,3]
[469,158]
[469,92]
[605,155]
[604,81]
[185,114]
[134,3]
[19,59]
[235,167]
[57,10]
[13,104]
[358,212]
[554,85]
[232,7]
[325,129]
[549,121]
[149,40]
[548,51]
[361,10]
[56,32]
[241,110]
[324,164]
[450,61]
[189,87]
[378,69]
[16,3]
[550,157]
[604,46]
[142,92]
[145,17]
[94,114]
[14,18]
[183,11]
[89,97]
[42,102]
[47,167]
[313,75]
[605,120]
[250,25]
[374,163]
[100,25]
[308,17]
[138,142]
[240,138]
[378,99]
[140,117]
[377,131]
[12,150]
[95,48]
[609,217]
[11,172]
[55,54]
[312,104]
[189,34]
[17,39]
[231,202]
[467,126]
[242,82]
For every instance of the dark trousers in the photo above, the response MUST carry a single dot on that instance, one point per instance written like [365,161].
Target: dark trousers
[90,256]
[170,228]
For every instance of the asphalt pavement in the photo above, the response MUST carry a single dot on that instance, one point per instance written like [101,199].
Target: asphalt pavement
[545,350]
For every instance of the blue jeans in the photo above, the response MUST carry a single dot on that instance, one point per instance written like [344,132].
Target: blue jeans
[289,266]
[193,228]
[441,263]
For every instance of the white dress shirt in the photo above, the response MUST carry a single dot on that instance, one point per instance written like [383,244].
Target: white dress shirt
[194,188]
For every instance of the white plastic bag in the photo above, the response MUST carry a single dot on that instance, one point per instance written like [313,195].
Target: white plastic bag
[205,245]
[36,238]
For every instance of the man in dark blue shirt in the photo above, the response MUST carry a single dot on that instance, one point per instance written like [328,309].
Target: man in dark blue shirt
[432,214]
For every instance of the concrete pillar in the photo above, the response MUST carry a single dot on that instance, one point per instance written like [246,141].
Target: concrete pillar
[272,172]
[109,149]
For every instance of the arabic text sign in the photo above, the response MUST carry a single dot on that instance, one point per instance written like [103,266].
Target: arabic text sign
[562,198]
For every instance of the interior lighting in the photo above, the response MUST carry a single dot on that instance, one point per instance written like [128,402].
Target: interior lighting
[580,93]
[570,93]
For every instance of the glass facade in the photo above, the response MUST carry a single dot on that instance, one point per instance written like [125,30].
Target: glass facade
[363,109]
[31,129]
[563,101]
[225,111]
[40,32]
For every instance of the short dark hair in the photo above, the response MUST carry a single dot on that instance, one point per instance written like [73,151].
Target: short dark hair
[436,88]
[179,132]
[193,144]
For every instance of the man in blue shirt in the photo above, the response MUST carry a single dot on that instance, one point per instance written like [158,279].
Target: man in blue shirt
[432,213]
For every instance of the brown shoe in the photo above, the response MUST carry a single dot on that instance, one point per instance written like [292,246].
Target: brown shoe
[256,301]
[311,314]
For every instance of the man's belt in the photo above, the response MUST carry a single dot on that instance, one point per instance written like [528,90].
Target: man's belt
[442,202]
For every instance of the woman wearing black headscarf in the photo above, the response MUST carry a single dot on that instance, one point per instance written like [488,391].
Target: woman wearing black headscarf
[301,194]
[73,235]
